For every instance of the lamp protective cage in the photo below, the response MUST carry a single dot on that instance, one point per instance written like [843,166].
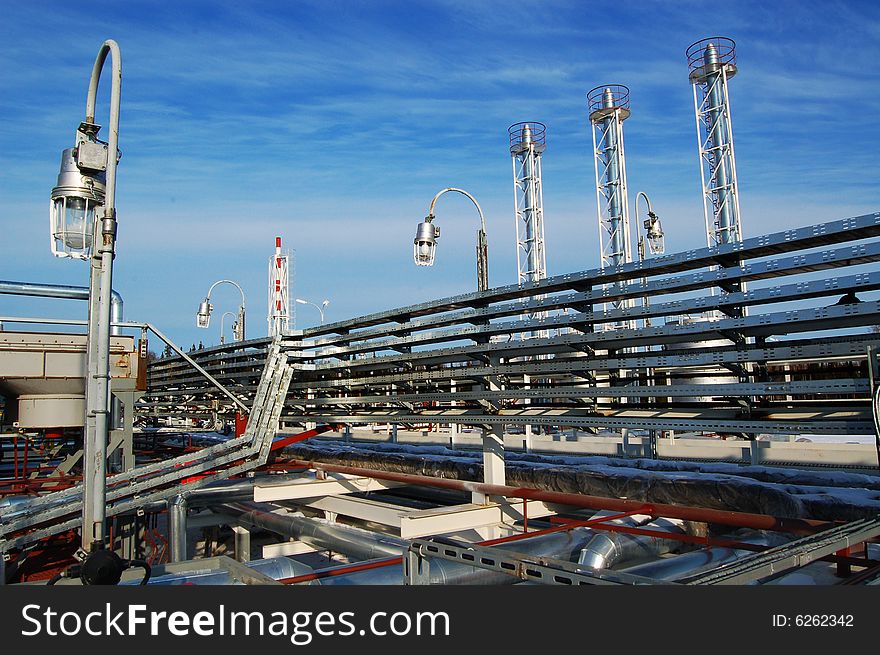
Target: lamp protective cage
[203,316]
[74,207]
[425,243]
[656,240]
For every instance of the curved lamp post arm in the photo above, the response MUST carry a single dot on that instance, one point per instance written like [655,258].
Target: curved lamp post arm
[203,317]
[226,282]
[222,321]
[320,307]
[464,193]
[640,242]
[108,47]
[482,239]
[644,195]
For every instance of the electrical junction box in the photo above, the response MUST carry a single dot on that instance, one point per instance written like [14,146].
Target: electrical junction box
[91,156]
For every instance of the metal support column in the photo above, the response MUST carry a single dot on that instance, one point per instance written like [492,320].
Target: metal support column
[242,543]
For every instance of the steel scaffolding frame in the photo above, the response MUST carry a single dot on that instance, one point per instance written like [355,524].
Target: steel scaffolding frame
[408,365]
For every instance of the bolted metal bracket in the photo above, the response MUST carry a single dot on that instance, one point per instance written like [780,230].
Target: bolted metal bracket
[416,569]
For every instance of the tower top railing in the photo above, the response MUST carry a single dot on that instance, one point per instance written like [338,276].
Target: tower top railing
[537,134]
[725,55]
[607,98]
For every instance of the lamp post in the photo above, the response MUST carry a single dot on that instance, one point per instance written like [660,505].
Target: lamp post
[83,226]
[425,243]
[653,230]
[320,307]
[203,316]
[657,246]
[234,325]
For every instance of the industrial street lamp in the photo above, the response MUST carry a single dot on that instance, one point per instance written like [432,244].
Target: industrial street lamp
[203,316]
[653,230]
[654,233]
[234,326]
[82,218]
[320,307]
[425,243]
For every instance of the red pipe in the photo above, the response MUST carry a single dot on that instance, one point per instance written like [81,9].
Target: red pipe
[700,514]
[559,528]
[342,570]
[302,436]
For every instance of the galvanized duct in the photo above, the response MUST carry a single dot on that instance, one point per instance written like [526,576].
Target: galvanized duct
[608,549]
[559,545]
[63,291]
[323,535]
[225,491]
[698,561]
[273,567]
[365,545]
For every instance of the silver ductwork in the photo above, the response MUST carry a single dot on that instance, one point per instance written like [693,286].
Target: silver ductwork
[364,545]
[63,291]
[323,535]
[559,545]
[225,491]
[699,561]
[273,567]
[608,549]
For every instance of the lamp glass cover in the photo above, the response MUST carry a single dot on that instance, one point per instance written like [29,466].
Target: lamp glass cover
[423,253]
[73,225]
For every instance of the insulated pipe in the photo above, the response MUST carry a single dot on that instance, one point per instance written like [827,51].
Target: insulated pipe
[560,545]
[680,566]
[700,514]
[354,542]
[273,567]
[178,507]
[691,563]
[365,545]
[63,291]
[610,548]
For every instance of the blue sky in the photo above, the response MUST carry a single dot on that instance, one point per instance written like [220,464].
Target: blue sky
[333,124]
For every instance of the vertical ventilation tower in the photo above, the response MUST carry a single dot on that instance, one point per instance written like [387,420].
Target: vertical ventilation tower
[609,107]
[279,291]
[712,62]
[527,143]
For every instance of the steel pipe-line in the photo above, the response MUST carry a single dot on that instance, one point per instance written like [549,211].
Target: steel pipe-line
[66,292]
[700,514]
[351,541]
[557,542]
[698,561]
[606,550]
[179,506]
